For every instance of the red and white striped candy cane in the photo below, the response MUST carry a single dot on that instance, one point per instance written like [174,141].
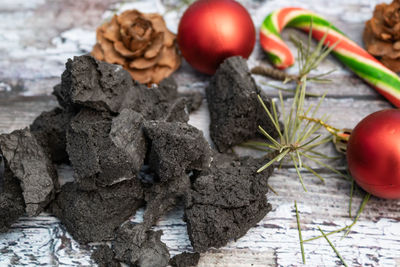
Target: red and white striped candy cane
[385,81]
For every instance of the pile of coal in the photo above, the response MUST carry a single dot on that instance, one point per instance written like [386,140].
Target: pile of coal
[130,146]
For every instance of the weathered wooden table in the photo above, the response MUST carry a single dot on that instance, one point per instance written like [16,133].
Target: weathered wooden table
[38,36]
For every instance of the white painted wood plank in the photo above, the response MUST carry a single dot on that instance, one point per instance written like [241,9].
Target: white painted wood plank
[32,59]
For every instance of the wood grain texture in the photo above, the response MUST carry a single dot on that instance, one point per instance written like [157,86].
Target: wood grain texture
[37,37]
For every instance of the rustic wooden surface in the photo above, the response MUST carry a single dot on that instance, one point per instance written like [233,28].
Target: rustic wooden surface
[37,37]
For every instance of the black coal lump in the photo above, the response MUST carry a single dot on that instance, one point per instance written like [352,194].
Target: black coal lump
[104,150]
[90,83]
[155,101]
[235,111]
[30,164]
[178,111]
[93,216]
[176,148]
[161,197]
[194,99]
[185,259]
[95,84]
[50,130]
[225,202]
[11,200]
[137,246]
[103,255]
[126,134]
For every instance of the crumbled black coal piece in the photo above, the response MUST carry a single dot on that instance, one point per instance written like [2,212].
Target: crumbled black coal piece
[103,255]
[194,100]
[168,89]
[163,196]
[95,84]
[155,101]
[2,173]
[102,86]
[235,111]
[104,150]
[137,246]
[93,216]
[50,131]
[63,100]
[185,259]
[176,148]
[11,200]
[178,111]
[31,165]
[126,134]
[225,202]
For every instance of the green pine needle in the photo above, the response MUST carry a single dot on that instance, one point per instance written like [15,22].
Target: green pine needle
[333,247]
[348,227]
[364,202]
[303,256]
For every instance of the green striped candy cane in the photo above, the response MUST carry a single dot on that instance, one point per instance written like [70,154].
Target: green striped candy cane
[385,81]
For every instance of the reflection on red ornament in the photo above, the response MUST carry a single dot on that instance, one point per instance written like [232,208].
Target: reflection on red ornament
[213,30]
[373,154]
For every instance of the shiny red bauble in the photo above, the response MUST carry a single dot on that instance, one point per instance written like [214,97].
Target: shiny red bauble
[373,154]
[213,30]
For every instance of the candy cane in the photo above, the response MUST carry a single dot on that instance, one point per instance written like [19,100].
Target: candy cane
[356,58]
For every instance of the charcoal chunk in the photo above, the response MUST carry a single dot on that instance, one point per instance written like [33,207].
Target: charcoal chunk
[235,111]
[176,148]
[225,202]
[163,196]
[30,164]
[194,100]
[185,259]
[168,89]
[155,101]
[104,150]
[11,200]
[137,246]
[90,83]
[126,134]
[93,216]
[50,130]
[2,173]
[104,257]
[95,84]
[178,111]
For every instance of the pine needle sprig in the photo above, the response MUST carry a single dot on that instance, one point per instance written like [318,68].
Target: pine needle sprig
[296,137]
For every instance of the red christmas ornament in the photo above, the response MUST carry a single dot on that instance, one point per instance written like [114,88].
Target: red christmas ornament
[213,30]
[373,154]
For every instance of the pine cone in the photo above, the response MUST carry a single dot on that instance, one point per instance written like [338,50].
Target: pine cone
[382,34]
[141,43]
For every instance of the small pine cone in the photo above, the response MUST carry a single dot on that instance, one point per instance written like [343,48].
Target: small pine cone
[141,43]
[382,34]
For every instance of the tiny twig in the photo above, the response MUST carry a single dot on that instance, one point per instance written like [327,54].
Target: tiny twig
[333,247]
[300,236]
[274,73]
